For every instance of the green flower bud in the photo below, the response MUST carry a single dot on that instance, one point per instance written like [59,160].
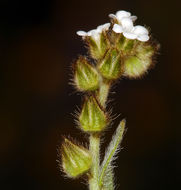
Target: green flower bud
[76,160]
[85,77]
[138,64]
[110,67]
[92,118]
[134,67]
[146,50]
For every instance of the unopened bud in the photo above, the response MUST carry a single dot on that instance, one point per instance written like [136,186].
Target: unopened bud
[146,50]
[135,66]
[92,118]
[76,160]
[111,66]
[85,77]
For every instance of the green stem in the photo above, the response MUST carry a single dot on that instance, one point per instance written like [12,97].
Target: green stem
[95,140]
[103,91]
[94,149]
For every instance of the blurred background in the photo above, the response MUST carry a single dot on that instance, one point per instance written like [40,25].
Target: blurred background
[38,42]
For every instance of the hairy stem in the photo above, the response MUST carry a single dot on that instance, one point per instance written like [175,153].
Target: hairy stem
[103,91]
[102,95]
[94,149]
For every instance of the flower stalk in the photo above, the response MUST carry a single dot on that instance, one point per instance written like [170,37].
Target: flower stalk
[95,150]
[118,49]
[102,93]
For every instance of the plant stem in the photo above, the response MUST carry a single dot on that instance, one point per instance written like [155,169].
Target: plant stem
[94,149]
[95,140]
[103,92]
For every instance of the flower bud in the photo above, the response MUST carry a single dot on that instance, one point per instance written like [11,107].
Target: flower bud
[136,65]
[92,118]
[85,77]
[76,160]
[146,50]
[110,67]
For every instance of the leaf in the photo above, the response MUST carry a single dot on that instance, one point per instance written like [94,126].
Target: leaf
[106,172]
[108,179]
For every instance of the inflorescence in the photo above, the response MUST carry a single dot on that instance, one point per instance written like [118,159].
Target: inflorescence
[117,49]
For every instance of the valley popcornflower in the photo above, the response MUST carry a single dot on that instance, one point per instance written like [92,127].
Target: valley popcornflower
[117,49]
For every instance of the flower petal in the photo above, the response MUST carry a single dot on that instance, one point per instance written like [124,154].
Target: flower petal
[91,32]
[122,14]
[133,18]
[81,33]
[140,30]
[117,28]
[130,35]
[103,27]
[127,24]
[143,38]
[112,16]
[94,34]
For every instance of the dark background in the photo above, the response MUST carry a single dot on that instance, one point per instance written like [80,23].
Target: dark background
[38,42]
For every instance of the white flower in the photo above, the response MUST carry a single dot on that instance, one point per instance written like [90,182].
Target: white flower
[125,26]
[122,14]
[95,33]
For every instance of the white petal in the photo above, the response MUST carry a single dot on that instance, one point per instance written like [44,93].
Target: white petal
[112,16]
[122,14]
[117,28]
[130,35]
[94,34]
[81,33]
[139,30]
[91,32]
[103,27]
[127,24]
[143,38]
[133,18]
[106,25]
[100,28]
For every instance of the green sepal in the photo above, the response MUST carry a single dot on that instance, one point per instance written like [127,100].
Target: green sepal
[128,45]
[111,67]
[85,75]
[121,43]
[76,160]
[97,48]
[92,117]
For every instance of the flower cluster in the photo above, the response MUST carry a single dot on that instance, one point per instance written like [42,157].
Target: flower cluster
[126,48]
[123,24]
